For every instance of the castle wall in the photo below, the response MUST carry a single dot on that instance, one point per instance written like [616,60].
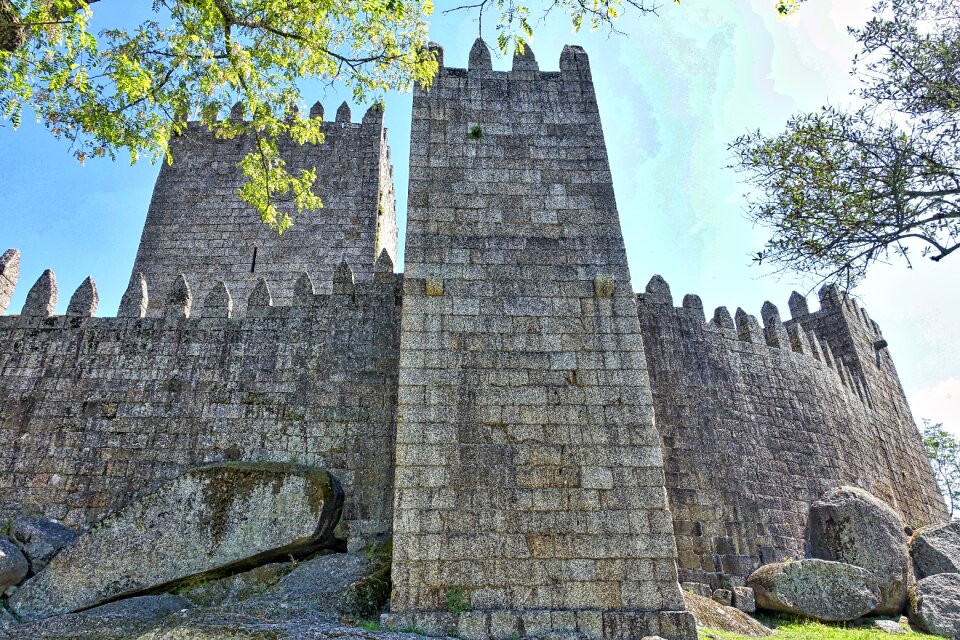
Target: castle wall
[197,224]
[529,478]
[93,410]
[759,422]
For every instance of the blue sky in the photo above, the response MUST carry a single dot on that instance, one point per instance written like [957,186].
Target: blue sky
[671,96]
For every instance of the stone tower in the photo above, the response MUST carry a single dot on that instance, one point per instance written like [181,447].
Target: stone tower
[529,478]
[198,226]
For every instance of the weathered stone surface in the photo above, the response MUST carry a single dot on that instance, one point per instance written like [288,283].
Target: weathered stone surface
[479,56]
[935,604]
[890,626]
[135,299]
[818,589]
[42,297]
[13,564]
[209,520]
[714,394]
[220,238]
[338,584]
[7,621]
[218,303]
[723,596]
[698,588]
[850,525]
[85,299]
[714,615]
[236,588]
[40,539]
[536,418]
[345,584]
[315,384]
[744,599]
[936,550]
[121,620]
[9,274]
[179,299]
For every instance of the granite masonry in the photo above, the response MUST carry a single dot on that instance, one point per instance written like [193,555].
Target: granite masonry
[549,450]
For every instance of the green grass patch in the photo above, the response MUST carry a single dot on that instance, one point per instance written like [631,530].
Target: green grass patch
[786,628]
[370,625]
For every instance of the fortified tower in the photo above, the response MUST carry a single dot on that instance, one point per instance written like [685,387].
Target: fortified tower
[198,226]
[529,477]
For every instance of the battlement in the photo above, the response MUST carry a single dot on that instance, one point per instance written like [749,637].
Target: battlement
[343,119]
[807,333]
[218,303]
[573,64]
[99,408]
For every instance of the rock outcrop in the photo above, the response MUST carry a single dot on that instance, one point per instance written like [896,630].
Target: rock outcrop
[120,620]
[936,550]
[713,615]
[210,521]
[818,589]
[13,565]
[852,526]
[935,604]
[40,539]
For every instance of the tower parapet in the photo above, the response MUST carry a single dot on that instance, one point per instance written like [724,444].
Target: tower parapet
[198,226]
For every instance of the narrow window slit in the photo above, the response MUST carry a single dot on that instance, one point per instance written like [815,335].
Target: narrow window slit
[253,263]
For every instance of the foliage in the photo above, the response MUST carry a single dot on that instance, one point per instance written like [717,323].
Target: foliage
[788,628]
[513,17]
[943,449]
[842,189]
[130,90]
[133,89]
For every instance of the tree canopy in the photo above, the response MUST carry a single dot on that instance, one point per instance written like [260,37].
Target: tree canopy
[129,90]
[844,188]
[943,450]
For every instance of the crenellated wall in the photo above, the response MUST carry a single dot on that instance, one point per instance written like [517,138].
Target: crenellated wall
[197,224]
[97,409]
[758,422]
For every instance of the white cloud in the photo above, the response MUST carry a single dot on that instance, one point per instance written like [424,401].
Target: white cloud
[939,403]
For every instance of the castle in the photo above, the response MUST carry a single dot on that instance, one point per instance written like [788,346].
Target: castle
[533,435]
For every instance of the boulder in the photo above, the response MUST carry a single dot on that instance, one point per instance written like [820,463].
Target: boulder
[818,589]
[723,596]
[236,588]
[890,626]
[40,539]
[936,550]
[935,604]
[713,615]
[7,621]
[744,599]
[357,586]
[115,621]
[13,565]
[852,526]
[209,522]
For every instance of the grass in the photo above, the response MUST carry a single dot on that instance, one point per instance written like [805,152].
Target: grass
[786,628]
